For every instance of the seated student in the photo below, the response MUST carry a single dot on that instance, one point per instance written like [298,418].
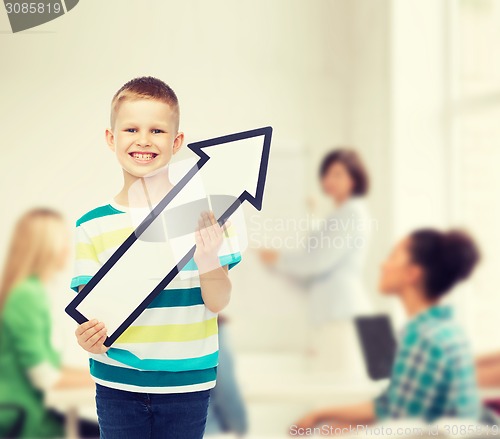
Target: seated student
[29,364]
[433,374]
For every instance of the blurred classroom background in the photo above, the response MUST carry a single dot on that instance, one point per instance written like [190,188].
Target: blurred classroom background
[413,85]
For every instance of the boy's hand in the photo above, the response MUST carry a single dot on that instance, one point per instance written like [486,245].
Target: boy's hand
[268,256]
[308,421]
[208,236]
[91,335]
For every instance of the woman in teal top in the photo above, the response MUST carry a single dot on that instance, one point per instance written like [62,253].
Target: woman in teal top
[433,375]
[29,364]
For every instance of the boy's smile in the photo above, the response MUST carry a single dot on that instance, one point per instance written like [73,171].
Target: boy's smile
[140,157]
[144,137]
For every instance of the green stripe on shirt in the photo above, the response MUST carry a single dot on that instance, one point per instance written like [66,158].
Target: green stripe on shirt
[171,365]
[98,212]
[177,297]
[150,378]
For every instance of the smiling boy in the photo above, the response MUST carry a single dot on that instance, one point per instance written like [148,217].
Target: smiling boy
[155,380]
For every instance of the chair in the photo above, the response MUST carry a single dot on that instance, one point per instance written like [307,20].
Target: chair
[489,416]
[15,430]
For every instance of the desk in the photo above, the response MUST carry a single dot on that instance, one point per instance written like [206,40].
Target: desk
[81,402]
[489,393]
[307,388]
[74,403]
[285,388]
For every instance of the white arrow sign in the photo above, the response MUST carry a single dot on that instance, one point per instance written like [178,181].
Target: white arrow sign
[235,167]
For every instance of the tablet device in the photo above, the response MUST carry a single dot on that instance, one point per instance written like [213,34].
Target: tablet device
[378,344]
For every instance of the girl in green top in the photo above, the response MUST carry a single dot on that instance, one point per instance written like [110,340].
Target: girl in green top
[29,364]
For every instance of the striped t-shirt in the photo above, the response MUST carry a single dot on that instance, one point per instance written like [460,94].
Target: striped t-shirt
[173,345]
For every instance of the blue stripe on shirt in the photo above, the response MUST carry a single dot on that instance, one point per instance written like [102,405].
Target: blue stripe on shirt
[175,365]
[150,378]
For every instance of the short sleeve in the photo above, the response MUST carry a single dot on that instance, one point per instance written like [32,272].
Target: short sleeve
[27,319]
[229,253]
[86,263]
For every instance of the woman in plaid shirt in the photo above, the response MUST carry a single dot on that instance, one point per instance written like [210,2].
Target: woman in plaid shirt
[433,375]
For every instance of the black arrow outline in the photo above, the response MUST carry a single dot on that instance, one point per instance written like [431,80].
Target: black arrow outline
[197,148]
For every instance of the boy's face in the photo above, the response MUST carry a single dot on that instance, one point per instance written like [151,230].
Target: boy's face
[144,137]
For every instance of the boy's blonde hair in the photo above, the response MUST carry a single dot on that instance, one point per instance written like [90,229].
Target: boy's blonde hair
[145,87]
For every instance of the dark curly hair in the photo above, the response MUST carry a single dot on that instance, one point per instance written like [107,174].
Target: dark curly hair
[446,258]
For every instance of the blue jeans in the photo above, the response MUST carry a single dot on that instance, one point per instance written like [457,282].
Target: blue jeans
[133,415]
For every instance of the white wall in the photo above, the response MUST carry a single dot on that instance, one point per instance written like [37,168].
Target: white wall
[397,103]
[369,118]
